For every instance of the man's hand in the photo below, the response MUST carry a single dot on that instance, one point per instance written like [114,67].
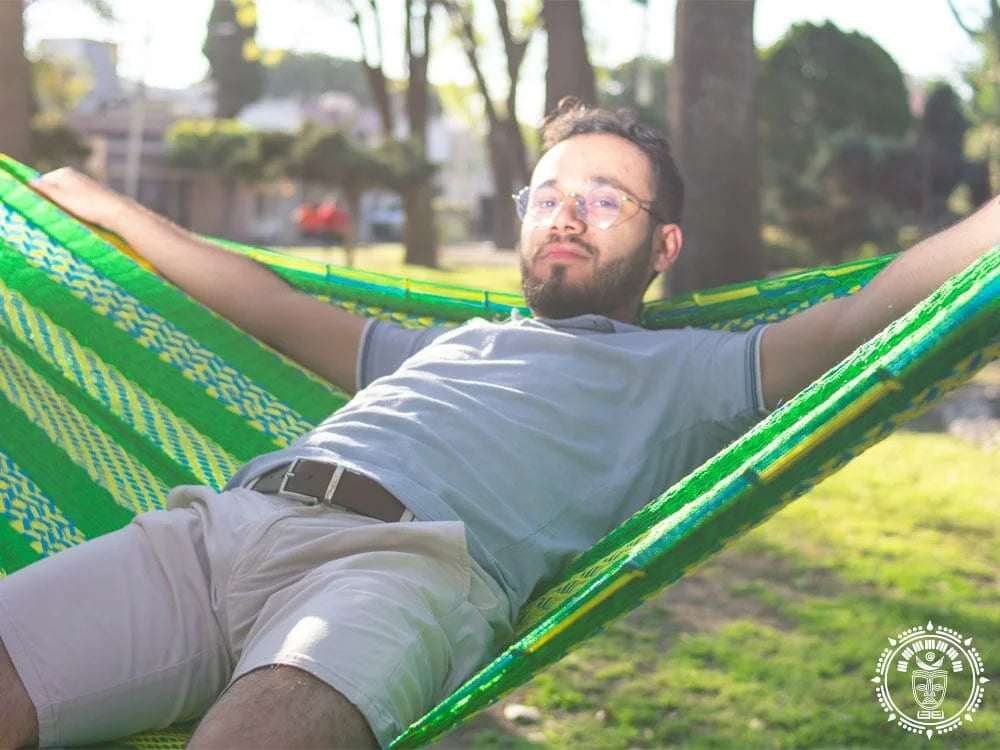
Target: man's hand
[319,336]
[83,197]
[799,349]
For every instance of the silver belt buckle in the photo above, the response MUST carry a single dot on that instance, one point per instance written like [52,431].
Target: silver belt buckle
[331,487]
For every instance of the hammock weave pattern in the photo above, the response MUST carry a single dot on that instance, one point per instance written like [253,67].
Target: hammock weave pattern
[128,387]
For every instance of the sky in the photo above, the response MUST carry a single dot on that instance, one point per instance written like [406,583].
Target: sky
[161,41]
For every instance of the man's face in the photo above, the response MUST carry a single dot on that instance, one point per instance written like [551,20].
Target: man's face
[570,266]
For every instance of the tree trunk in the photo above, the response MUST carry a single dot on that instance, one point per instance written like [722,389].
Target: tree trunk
[420,232]
[713,124]
[569,71]
[504,226]
[353,198]
[15,90]
[506,161]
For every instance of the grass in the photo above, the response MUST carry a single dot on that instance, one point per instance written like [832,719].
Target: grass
[479,269]
[773,643]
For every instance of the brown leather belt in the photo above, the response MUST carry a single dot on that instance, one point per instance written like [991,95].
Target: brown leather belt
[313,482]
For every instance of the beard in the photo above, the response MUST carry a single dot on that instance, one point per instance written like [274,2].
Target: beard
[614,285]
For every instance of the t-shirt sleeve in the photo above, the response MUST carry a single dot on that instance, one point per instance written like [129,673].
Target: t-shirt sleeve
[756,383]
[386,345]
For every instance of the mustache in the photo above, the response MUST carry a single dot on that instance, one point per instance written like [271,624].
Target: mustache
[570,240]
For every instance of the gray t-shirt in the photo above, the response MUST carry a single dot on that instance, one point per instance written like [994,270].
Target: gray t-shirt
[540,435]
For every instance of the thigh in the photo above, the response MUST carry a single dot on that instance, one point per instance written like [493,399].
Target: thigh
[117,634]
[394,618]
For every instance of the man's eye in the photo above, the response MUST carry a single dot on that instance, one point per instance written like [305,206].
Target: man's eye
[605,202]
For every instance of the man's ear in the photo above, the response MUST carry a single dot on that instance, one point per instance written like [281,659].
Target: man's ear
[667,241]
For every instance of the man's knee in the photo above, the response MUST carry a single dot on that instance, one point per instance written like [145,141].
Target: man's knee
[282,706]
[18,721]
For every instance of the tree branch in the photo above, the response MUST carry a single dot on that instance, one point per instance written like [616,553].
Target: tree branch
[468,35]
[376,77]
[958,18]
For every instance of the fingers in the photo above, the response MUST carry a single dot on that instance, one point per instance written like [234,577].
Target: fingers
[79,195]
[63,179]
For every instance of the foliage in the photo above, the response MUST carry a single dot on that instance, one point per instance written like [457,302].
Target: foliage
[818,80]
[232,55]
[941,142]
[860,189]
[852,193]
[311,74]
[621,86]
[59,85]
[317,154]
[331,157]
[265,156]
[837,169]
[406,166]
[214,145]
[984,80]
[54,143]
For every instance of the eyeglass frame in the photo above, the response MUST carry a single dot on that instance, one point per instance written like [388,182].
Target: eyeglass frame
[580,202]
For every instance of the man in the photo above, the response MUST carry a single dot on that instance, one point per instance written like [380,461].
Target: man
[343,585]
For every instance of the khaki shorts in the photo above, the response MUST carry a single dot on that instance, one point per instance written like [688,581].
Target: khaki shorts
[148,625]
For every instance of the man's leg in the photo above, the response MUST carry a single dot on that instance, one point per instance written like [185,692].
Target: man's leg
[282,706]
[110,637]
[389,616]
[18,722]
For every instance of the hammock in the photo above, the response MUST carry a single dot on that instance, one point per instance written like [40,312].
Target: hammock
[131,387]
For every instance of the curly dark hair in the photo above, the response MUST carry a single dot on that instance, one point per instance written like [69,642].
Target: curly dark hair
[572,117]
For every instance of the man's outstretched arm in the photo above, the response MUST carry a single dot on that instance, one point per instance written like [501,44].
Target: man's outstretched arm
[321,337]
[799,349]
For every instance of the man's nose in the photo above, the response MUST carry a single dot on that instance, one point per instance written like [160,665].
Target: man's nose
[569,215]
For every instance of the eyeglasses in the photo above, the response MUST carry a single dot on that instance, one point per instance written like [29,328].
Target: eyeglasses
[603,206]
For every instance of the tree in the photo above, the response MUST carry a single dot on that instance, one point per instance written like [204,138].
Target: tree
[713,118]
[233,58]
[59,85]
[818,80]
[508,153]
[331,158]
[15,93]
[860,188]
[54,143]
[569,72]
[311,74]
[420,231]
[831,102]
[17,105]
[213,145]
[985,82]
[941,145]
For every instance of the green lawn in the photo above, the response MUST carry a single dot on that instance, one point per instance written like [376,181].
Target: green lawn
[773,643]
[495,271]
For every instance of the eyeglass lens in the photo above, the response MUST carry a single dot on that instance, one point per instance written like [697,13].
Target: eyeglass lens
[600,206]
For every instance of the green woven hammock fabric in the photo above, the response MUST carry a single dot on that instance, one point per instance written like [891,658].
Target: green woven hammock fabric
[129,387]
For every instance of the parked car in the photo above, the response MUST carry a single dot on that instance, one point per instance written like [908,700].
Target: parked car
[387,222]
